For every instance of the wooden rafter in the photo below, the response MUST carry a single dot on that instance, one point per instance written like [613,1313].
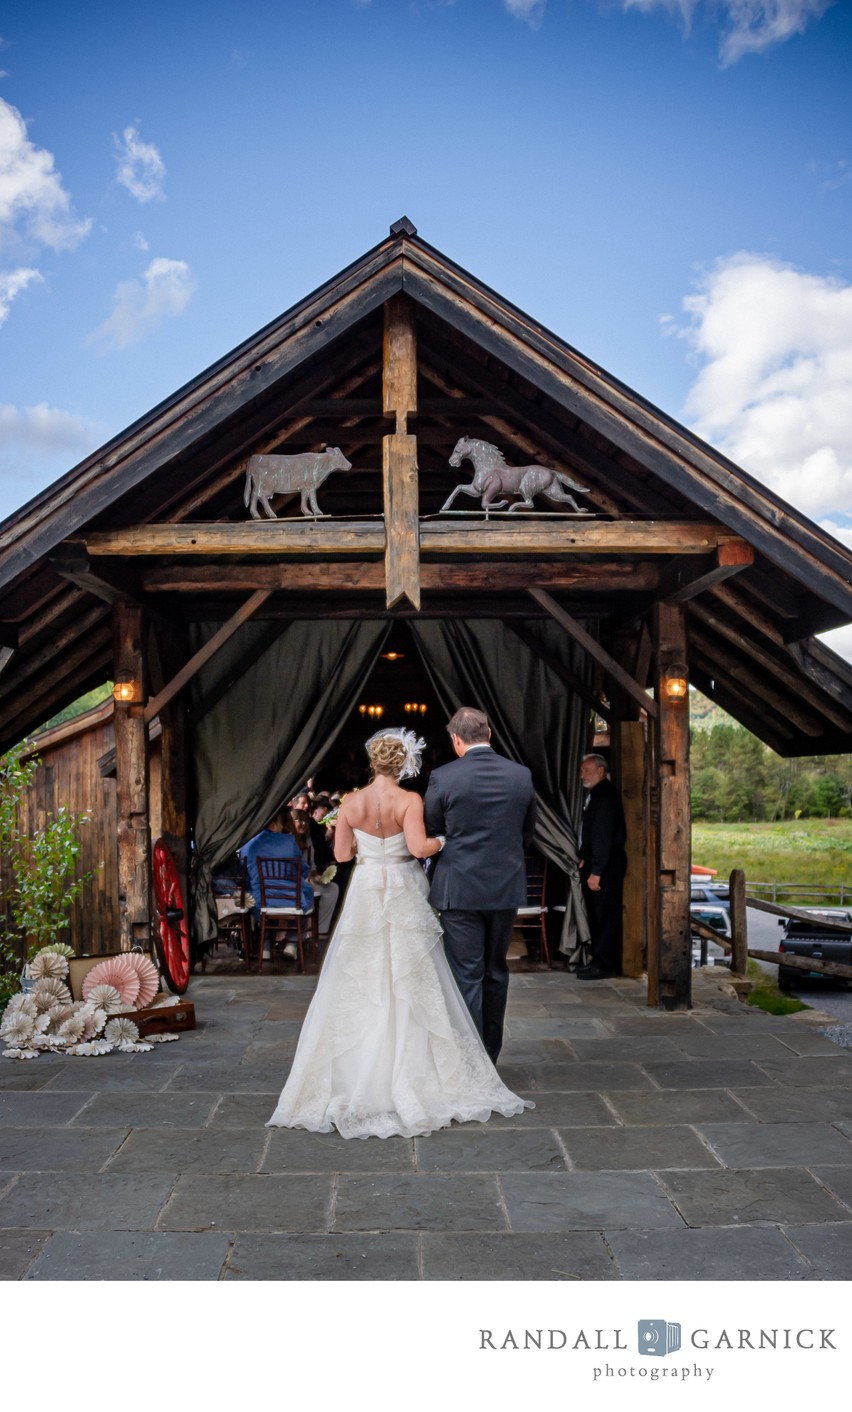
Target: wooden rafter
[195,663]
[594,649]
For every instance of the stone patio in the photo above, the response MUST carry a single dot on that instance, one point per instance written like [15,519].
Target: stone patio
[712,1145]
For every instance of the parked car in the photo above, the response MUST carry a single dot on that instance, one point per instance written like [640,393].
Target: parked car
[714,894]
[713,916]
[810,938]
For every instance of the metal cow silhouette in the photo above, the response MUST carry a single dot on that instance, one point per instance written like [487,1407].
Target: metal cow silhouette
[492,477]
[289,475]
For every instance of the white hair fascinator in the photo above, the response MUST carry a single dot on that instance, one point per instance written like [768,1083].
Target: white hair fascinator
[412,744]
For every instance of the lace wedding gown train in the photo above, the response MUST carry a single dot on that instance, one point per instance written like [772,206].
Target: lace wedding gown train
[388,1047]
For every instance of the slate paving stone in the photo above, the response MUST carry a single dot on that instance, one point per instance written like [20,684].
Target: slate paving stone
[621,1048]
[515,1076]
[506,1150]
[76,1201]
[554,1028]
[677,1106]
[555,1110]
[667,1026]
[636,1148]
[243,1110]
[728,1198]
[749,1253]
[18,1250]
[796,1105]
[806,1042]
[191,1150]
[247,1202]
[324,1257]
[810,1071]
[828,1248]
[708,1073]
[293,1150]
[589,1077]
[131,1255]
[732,1046]
[526,1010]
[777,1144]
[18,1074]
[79,1075]
[417,1202]
[544,1051]
[146,1110]
[229,1079]
[58,1149]
[837,1179]
[556,1201]
[38,1109]
[517,1255]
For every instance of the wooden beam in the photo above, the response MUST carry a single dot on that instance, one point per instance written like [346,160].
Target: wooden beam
[674,858]
[399,378]
[195,663]
[799,914]
[515,534]
[133,833]
[739,922]
[402,524]
[71,562]
[743,672]
[684,578]
[341,576]
[594,649]
[34,663]
[567,677]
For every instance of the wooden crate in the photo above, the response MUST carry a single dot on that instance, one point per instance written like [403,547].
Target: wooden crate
[165,1019]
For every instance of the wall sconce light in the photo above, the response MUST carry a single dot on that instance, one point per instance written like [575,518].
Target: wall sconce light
[415,708]
[125,688]
[374,712]
[676,684]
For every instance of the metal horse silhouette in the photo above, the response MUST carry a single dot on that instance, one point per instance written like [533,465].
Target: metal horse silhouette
[492,477]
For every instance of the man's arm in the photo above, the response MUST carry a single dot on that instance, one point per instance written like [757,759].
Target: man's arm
[433,809]
[603,834]
[529,822]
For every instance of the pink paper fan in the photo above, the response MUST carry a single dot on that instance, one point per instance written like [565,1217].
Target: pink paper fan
[149,978]
[118,971]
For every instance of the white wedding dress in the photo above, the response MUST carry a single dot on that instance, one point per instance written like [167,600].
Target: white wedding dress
[388,1047]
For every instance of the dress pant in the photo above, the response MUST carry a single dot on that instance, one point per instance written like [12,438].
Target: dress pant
[476,946]
[603,909]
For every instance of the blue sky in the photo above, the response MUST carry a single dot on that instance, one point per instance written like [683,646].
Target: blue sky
[665,183]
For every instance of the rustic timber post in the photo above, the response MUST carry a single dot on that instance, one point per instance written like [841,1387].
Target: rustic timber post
[739,923]
[399,456]
[674,851]
[131,770]
[631,781]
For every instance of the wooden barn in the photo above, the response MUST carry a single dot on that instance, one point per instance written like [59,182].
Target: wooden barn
[247,644]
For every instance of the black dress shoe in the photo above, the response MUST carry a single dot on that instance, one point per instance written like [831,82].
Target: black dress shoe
[594,973]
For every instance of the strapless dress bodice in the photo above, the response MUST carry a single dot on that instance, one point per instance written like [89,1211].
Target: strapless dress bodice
[382,850]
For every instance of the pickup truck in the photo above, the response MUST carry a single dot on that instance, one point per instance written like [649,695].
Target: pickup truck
[811,939]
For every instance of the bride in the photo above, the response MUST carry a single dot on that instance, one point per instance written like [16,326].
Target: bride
[388,1047]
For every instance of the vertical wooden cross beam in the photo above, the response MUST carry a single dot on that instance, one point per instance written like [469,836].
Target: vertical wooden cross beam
[132,780]
[674,848]
[399,456]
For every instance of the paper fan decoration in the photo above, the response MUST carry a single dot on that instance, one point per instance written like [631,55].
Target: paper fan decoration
[61,948]
[21,1001]
[71,1030]
[94,1018]
[17,1031]
[48,993]
[121,1031]
[104,997]
[117,971]
[92,1047]
[149,978]
[47,963]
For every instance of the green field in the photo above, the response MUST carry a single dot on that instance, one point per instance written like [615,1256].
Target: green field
[814,851]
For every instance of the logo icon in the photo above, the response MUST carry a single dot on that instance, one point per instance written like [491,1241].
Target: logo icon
[657,1338]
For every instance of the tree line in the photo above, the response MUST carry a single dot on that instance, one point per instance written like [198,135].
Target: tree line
[736,778]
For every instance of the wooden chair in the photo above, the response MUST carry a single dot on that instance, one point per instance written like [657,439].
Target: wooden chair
[233,912]
[281,909]
[533,916]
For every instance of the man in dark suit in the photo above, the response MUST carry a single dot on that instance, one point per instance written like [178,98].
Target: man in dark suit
[485,807]
[603,863]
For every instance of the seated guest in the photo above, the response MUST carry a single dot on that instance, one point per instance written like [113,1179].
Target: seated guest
[275,841]
[318,855]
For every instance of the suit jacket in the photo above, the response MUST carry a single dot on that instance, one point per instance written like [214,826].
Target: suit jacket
[602,832]
[485,805]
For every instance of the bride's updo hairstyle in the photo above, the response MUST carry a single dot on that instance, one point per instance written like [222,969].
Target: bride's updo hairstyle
[387,756]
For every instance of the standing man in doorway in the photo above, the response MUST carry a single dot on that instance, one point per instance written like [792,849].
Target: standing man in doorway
[603,863]
[484,804]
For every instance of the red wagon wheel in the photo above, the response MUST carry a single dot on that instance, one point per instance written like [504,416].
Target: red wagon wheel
[172,936]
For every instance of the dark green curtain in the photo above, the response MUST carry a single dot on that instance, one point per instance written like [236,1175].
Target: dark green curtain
[535,720]
[264,715]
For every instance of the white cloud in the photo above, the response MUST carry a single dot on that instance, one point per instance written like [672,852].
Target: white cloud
[141,169]
[33,201]
[139,241]
[840,641]
[139,306]
[753,25]
[774,390]
[530,10]
[12,282]
[37,444]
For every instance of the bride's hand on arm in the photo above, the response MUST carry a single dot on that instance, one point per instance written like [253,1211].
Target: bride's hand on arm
[419,843]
